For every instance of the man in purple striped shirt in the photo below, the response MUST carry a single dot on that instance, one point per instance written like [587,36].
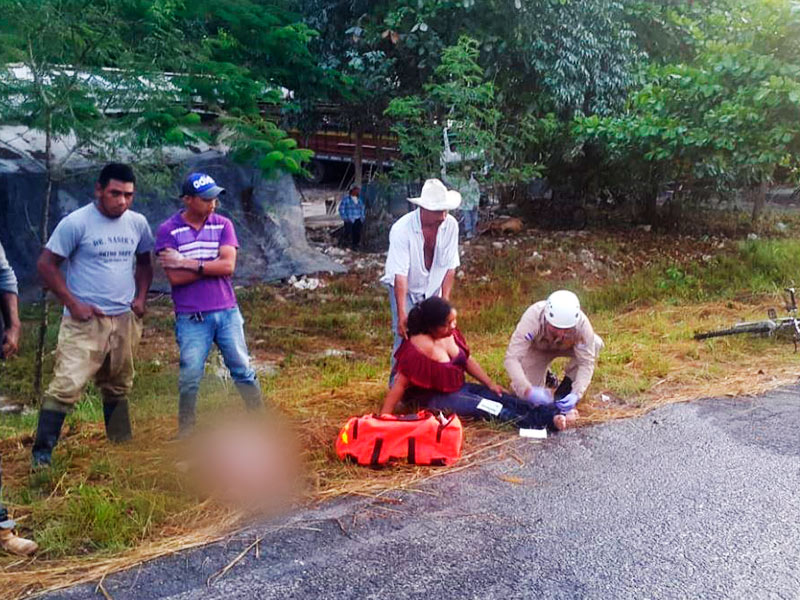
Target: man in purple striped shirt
[197,249]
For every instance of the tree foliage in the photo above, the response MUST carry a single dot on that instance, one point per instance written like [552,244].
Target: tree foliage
[89,84]
[457,99]
[726,118]
[544,59]
[129,77]
[625,94]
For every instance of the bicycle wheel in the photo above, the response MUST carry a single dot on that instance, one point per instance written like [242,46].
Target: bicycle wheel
[754,327]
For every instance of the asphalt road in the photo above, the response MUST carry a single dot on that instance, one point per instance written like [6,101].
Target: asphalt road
[692,501]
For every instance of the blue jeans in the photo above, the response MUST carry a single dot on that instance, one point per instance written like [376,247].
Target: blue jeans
[397,339]
[195,333]
[470,221]
[465,403]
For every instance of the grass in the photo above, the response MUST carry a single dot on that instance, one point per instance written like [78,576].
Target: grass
[104,507]
[752,268]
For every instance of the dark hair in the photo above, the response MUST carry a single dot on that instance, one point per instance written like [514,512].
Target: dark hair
[355,188]
[118,171]
[428,315]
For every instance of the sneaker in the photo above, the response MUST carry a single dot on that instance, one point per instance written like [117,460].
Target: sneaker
[13,544]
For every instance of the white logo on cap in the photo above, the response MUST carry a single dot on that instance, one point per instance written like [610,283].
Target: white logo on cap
[202,182]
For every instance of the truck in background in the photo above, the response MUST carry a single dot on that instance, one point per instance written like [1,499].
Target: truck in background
[335,144]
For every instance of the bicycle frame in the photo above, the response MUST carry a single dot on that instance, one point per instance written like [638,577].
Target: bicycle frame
[772,326]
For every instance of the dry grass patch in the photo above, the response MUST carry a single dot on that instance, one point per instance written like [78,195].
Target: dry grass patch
[651,359]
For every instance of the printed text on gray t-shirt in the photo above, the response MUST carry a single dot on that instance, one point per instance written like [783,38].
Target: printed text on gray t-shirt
[100,253]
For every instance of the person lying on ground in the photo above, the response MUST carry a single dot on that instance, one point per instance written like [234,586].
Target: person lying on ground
[431,368]
[10,329]
[549,329]
[106,249]
[197,249]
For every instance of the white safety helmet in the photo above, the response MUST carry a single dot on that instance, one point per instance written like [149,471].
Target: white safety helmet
[563,309]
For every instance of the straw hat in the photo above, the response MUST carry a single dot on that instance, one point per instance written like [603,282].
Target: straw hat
[435,196]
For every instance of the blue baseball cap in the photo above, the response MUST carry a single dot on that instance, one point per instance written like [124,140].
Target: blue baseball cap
[202,185]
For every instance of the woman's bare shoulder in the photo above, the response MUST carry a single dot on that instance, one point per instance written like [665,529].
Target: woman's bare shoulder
[422,342]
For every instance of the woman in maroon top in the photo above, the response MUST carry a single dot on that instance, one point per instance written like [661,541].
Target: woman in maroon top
[431,364]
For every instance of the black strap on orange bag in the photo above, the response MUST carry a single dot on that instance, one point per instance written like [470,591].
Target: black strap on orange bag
[418,438]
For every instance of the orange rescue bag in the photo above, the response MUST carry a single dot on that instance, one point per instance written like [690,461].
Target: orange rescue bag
[420,439]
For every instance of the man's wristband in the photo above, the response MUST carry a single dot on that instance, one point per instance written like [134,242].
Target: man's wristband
[200,267]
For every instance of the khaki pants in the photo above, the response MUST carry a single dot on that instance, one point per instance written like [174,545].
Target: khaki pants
[102,348]
[535,364]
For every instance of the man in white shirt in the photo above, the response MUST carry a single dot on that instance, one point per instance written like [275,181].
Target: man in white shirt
[423,255]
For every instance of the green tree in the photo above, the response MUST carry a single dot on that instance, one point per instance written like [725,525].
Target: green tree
[727,119]
[547,61]
[560,56]
[458,99]
[360,78]
[236,55]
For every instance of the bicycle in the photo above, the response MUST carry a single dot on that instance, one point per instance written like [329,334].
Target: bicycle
[772,326]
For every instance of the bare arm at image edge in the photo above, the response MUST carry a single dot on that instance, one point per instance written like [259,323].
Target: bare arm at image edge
[10,310]
[9,305]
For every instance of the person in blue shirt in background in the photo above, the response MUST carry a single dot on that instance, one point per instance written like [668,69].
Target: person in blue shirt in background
[351,210]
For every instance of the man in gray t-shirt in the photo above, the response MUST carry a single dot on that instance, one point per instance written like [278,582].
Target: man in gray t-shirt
[99,252]
[106,250]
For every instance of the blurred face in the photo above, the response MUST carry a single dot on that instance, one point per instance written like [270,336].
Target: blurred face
[200,207]
[558,334]
[432,217]
[449,326]
[115,198]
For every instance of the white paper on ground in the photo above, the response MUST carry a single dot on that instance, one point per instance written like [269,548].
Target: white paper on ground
[490,406]
[536,434]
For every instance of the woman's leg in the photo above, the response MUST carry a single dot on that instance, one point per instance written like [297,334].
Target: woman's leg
[480,402]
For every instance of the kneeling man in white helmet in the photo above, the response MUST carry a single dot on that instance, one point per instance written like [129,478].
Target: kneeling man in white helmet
[547,330]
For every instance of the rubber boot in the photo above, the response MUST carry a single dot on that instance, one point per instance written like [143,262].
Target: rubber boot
[117,419]
[47,433]
[186,415]
[14,544]
[251,394]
